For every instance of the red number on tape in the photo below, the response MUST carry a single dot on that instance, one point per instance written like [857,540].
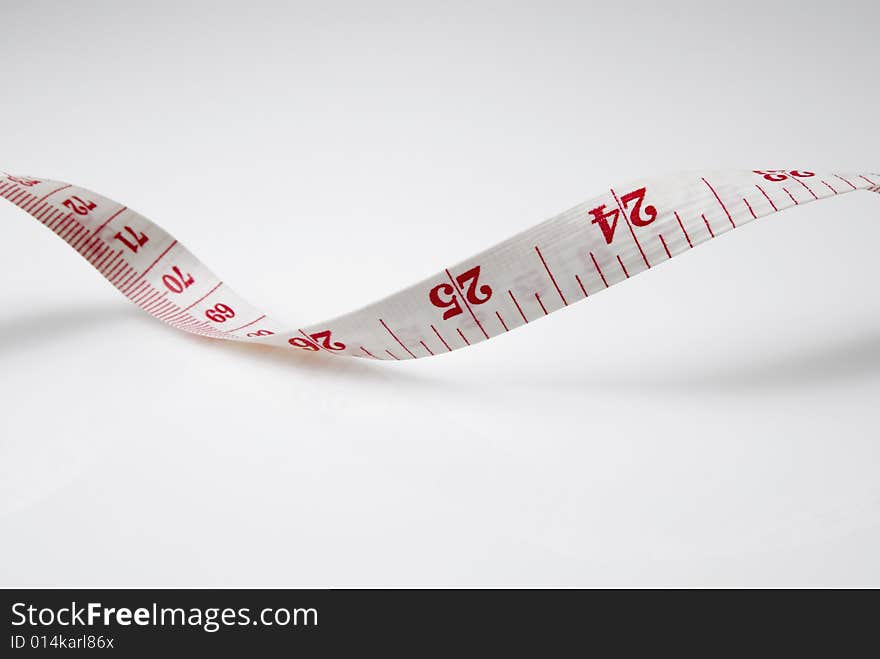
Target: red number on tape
[220,313]
[79,206]
[607,220]
[323,339]
[136,240]
[443,296]
[26,182]
[176,282]
[315,339]
[305,344]
[778,175]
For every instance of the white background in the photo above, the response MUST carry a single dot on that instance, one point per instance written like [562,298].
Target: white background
[712,422]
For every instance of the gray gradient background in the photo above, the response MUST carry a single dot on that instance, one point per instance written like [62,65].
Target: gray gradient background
[712,422]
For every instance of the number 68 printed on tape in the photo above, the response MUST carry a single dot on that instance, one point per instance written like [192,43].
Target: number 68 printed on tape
[627,230]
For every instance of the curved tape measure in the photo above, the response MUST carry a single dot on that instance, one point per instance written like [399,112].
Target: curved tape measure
[568,258]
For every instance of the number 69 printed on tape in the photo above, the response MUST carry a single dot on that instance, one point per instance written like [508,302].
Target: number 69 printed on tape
[625,231]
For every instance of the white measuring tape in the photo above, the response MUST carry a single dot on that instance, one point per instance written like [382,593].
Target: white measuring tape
[568,258]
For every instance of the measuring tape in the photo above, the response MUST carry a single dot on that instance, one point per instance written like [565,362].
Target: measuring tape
[578,253]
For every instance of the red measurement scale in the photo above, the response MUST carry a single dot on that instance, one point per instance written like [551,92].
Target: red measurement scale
[625,231]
